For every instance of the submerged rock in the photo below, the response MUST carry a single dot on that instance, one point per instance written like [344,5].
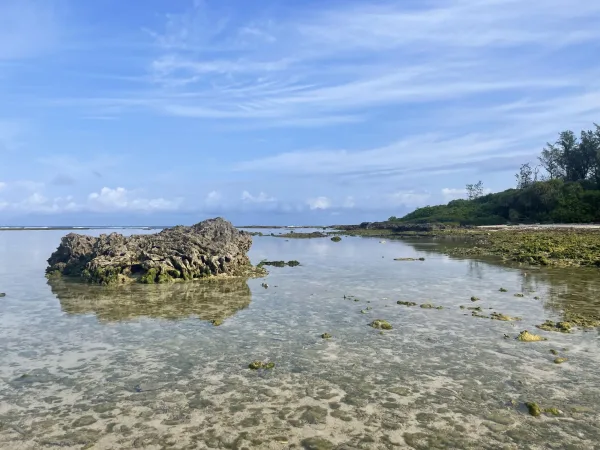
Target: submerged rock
[255,365]
[548,325]
[381,324]
[336,239]
[317,443]
[292,263]
[213,247]
[430,306]
[400,302]
[2,294]
[503,317]
[560,360]
[326,336]
[533,409]
[526,336]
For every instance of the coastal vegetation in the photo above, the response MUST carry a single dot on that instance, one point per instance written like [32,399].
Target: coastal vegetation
[563,188]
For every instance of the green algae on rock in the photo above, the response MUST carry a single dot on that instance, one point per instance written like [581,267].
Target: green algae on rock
[475,299]
[317,443]
[256,365]
[560,360]
[381,324]
[556,247]
[587,321]
[533,409]
[326,336]
[526,336]
[548,325]
[217,322]
[210,248]
[503,290]
[518,294]
[336,239]
[503,317]
[400,302]
[430,306]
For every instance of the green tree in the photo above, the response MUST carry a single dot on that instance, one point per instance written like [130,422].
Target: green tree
[475,190]
[551,161]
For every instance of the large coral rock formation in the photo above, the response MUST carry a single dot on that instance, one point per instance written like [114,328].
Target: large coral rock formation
[213,247]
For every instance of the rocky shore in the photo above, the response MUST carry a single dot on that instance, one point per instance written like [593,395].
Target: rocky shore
[212,248]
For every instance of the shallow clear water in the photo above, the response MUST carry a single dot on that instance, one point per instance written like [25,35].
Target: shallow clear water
[143,366]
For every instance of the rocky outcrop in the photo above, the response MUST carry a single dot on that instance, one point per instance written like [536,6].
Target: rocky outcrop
[213,247]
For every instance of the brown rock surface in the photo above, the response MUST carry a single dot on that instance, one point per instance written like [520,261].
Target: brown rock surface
[213,247]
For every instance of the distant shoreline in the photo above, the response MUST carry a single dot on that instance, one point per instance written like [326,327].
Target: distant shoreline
[580,226]
[138,227]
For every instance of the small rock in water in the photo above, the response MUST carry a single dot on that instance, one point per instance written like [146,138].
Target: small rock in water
[526,336]
[560,360]
[326,336]
[2,294]
[381,324]
[265,285]
[533,409]
[255,365]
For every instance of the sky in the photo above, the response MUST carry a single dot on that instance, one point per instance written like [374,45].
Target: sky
[282,112]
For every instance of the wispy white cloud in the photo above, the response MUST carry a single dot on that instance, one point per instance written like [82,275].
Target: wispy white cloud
[319,203]
[454,193]
[106,200]
[119,199]
[260,198]
[319,65]
[213,198]
[410,198]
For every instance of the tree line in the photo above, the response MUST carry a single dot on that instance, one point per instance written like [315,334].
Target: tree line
[563,187]
[570,159]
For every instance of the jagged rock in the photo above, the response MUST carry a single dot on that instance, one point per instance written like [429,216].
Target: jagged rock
[213,247]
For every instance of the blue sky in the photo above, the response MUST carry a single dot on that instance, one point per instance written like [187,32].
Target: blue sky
[280,112]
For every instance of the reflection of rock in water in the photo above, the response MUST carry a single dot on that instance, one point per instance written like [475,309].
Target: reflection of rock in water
[208,300]
[571,292]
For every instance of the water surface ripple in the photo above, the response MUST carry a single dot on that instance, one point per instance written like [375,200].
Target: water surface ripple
[144,367]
